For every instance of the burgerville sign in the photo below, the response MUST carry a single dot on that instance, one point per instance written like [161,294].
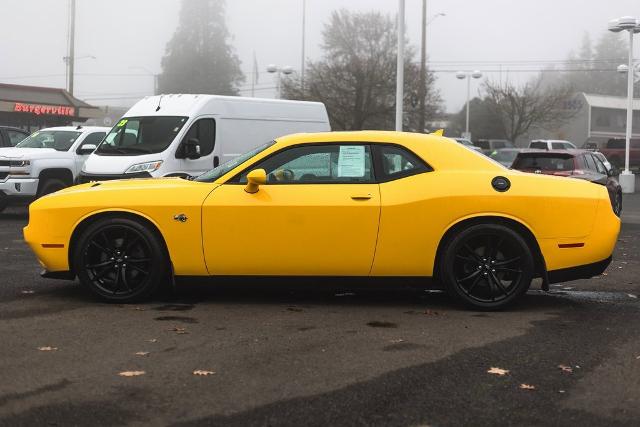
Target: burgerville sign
[38,109]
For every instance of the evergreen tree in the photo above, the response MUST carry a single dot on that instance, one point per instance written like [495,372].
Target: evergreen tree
[199,58]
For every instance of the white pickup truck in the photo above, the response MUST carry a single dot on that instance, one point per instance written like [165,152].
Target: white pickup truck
[46,161]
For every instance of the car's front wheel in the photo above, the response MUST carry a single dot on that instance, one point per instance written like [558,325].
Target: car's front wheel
[487,266]
[617,203]
[120,260]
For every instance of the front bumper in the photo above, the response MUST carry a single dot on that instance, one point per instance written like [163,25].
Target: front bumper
[586,271]
[13,189]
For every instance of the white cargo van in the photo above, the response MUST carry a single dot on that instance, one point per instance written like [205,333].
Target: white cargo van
[186,135]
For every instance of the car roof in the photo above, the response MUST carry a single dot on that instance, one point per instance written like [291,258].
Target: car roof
[551,153]
[77,128]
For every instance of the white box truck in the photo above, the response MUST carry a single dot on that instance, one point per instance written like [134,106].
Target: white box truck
[187,135]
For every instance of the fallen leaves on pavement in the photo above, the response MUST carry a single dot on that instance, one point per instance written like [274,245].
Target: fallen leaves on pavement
[527,387]
[131,373]
[28,292]
[498,371]
[152,340]
[179,330]
[47,348]
[202,373]
[565,368]
[632,296]
[142,353]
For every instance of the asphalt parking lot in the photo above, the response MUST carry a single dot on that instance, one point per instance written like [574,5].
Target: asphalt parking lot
[318,354]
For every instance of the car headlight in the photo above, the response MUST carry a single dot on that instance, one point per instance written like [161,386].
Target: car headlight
[19,163]
[19,167]
[145,167]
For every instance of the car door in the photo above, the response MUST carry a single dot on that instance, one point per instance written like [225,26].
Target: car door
[204,131]
[93,138]
[317,214]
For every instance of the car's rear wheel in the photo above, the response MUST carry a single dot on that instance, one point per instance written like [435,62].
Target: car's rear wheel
[487,266]
[121,260]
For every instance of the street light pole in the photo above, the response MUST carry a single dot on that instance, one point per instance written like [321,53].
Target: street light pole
[304,30]
[400,67]
[632,25]
[72,37]
[278,71]
[464,75]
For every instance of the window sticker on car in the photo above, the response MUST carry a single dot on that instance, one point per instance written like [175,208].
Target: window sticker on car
[351,161]
[122,122]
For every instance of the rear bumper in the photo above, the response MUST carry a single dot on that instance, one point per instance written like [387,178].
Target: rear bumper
[586,271]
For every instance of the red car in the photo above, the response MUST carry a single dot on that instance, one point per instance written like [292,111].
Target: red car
[581,164]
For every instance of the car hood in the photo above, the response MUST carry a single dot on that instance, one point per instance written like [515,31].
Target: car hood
[29,153]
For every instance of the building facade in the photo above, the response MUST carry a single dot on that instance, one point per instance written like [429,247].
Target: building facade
[32,108]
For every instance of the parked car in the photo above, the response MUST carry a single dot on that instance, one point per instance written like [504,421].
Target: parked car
[505,156]
[10,136]
[46,161]
[187,135]
[480,230]
[552,144]
[579,164]
[607,164]
[614,150]
[488,145]
[467,143]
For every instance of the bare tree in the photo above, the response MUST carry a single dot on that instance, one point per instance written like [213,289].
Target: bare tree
[518,108]
[356,77]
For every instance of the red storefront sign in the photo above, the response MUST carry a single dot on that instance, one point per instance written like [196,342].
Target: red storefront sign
[38,109]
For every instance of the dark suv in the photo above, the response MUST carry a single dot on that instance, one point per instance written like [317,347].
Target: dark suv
[10,136]
[581,164]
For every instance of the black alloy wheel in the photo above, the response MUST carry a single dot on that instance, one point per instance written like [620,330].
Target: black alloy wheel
[120,260]
[487,266]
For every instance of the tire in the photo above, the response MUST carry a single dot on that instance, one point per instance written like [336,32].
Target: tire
[487,266]
[617,203]
[51,185]
[121,260]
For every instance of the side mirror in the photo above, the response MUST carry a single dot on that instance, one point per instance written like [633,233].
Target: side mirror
[613,171]
[192,149]
[255,179]
[85,149]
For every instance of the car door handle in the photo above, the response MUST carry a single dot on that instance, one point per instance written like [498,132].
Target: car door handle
[362,197]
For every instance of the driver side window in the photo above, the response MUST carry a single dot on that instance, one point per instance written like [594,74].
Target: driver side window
[318,164]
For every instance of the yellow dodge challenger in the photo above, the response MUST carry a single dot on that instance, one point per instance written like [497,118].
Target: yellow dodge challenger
[342,204]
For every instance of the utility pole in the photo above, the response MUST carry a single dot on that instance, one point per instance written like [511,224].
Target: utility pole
[400,67]
[72,36]
[422,89]
[304,30]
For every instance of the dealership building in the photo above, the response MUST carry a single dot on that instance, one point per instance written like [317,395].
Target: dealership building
[596,119]
[32,108]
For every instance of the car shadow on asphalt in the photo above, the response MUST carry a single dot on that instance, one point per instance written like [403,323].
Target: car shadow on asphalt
[190,295]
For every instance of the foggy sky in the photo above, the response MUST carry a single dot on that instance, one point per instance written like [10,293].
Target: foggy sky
[128,38]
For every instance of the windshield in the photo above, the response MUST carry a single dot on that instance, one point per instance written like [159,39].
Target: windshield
[216,173]
[141,135]
[60,140]
[504,156]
